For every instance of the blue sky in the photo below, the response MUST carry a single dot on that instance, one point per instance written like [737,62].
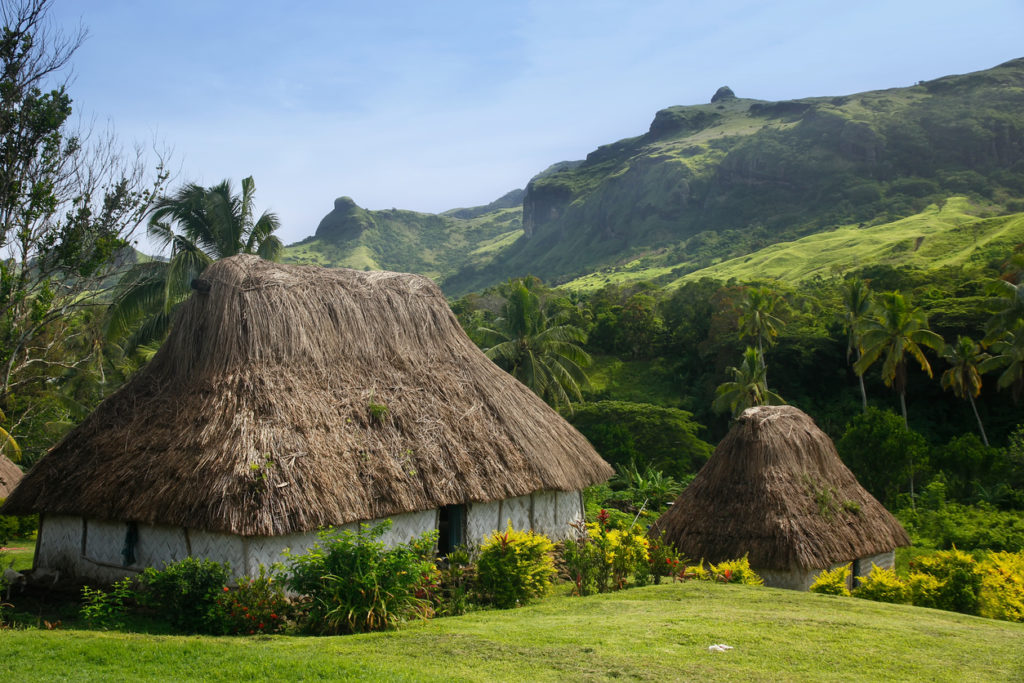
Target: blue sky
[434,105]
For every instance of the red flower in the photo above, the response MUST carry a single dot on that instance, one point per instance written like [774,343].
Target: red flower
[728,575]
[273,616]
[226,589]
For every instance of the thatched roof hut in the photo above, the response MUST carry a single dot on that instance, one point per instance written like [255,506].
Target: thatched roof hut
[776,490]
[10,475]
[287,398]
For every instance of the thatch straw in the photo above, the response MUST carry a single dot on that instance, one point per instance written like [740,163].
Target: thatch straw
[10,475]
[776,489]
[291,397]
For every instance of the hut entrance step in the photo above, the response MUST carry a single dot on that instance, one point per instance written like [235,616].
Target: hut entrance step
[451,528]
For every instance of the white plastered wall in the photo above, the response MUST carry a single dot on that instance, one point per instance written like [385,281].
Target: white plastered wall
[91,549]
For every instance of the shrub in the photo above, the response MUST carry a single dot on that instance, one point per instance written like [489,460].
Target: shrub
[585,561]
[664,559]
[882,585]
[735,571]
[355,584]
[456,574]
[16,527]
[514,567]
[256,605]
[185,593]
[104,610]
[925,590]
[1002,587]
[959,579]
[832,581]
[946,525]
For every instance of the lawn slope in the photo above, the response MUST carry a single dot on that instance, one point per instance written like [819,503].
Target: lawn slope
[655,633]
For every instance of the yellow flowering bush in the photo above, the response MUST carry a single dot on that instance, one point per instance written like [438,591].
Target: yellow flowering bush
[1002,587]
[832,581]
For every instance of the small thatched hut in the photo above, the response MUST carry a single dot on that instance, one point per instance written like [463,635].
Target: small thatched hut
[10,475]
[776,490]
[288,398]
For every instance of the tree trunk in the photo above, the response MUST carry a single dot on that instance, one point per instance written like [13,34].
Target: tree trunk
[906,425]
[981,427]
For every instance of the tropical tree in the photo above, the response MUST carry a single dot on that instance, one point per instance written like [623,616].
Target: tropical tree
[894,330]
[70,202]
[856,296]
[1007,306]
[540,350]
[747,388]
[757,318]
[1008,356]
[198,225]
[964,376]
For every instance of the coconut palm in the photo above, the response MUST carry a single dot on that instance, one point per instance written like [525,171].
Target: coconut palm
[856,297]
[1008,356]
[542,352]
[964,376]
[747,388]
[199,225]
[894,330]
[757,319]
[1007,306]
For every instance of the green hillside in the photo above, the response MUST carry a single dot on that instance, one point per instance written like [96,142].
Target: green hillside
[953,232]
[715,182]
[408,241]
[722,180]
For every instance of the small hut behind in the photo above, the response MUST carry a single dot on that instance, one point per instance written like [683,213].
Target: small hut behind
[289,398]
[776,491]
[10,475]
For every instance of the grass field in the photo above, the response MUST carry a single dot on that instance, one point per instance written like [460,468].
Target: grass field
[654,633]
[950,234]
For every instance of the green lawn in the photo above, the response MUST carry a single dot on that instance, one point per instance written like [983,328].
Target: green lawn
[654,633]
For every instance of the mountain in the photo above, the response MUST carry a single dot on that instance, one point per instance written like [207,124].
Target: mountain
[715,181]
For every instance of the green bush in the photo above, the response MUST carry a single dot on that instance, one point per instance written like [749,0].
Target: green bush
[256,605]
[456,575]
[104,610]
[514,567]
[664,559]
[832,581]
[882,585]
[16,527]
[959,577]
[981,526]
[585,562]
[1002,587]
[355,584]
[185,593]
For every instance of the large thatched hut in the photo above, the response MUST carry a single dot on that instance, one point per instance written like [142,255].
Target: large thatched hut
[289,398]
[776,490]
[10,475]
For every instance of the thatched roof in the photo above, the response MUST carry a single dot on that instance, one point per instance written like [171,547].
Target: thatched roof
[291,397]
[10,475]
[776,489]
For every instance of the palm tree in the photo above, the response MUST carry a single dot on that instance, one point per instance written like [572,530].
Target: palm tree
[757,319]
[964,376]
[542,352]
[747,388]
[199,225]
[856,306]
[1007,307]
[894,330]
[1008,356]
